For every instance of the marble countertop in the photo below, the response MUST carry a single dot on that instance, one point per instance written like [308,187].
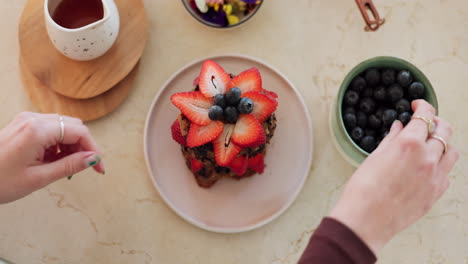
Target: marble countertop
[120,218]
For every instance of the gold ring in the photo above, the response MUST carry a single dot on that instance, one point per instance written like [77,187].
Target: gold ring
[62,129]
[431,125]
[441,140]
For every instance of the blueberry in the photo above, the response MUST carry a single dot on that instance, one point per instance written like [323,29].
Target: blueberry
[379,112]
[388,77]
[370,133]
[358,84]
[246,106]
[372,76]
[350,120]
[367,105]
[388,117]
[357,133]
[233,96]
[374,122]
[383,130]
[349,110]
[231,114]
[404,78]
[220,100]
[368,143]
[405,118]
[215,113]
[368,92]
[395,92]
[402,105]
[361,119]
[416,90]
[380,93]
[351,98]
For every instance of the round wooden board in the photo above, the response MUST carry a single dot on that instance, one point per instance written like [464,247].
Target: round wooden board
[75,79]
[86,109]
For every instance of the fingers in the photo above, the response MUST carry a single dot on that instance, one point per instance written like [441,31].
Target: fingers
[417,127]
[75,133]
[47,124]
[66,119]
[448,161]
[395,130]
[42,175]
[442,188]
[24,116]
[80,134]
[443,130]
[45,128]
[446,164]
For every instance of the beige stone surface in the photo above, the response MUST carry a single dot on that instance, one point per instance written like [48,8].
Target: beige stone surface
[120,218]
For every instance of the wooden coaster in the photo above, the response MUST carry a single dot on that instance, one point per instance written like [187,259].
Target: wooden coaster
[86,109]
[81,80]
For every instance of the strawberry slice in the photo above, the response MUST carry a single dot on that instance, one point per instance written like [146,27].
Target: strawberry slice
[200,135]
[196,165]
[239,165]
[247,81]
[270,94]
[257,163]
[264,105]
[248,132]
[213,79]
[194,106]
[196,81]
[224,149]
[176,134]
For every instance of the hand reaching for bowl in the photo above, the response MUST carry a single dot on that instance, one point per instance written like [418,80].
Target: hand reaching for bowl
[35,153]
[400,181]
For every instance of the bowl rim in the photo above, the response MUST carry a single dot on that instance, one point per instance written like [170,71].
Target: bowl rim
[364,65]
[339,145]
[212,25]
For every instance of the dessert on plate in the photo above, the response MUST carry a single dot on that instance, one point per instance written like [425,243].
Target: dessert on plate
[225,125]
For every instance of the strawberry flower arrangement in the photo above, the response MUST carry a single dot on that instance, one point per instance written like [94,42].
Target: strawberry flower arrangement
[224,12]
[225,123]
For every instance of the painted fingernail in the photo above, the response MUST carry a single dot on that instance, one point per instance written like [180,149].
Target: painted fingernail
[92,161]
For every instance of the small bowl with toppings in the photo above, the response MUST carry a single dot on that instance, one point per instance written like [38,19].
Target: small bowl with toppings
[371,97]
[222,13]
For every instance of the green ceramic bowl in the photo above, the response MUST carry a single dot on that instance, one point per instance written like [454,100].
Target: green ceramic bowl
[345,145]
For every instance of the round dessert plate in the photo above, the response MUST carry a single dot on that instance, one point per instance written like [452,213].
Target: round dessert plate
[231,206]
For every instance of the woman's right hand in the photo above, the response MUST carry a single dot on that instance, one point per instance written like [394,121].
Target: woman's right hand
[399,182]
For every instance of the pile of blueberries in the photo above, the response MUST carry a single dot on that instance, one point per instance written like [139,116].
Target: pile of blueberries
[374,100]
[228,107]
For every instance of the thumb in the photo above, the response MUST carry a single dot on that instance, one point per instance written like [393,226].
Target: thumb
[45,174]
[395,130]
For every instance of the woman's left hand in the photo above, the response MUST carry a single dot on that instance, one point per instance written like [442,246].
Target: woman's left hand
[31,156]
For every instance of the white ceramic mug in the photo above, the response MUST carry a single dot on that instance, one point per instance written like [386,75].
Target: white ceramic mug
[87,42]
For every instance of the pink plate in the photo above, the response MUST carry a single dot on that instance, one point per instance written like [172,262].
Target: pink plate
[231,206]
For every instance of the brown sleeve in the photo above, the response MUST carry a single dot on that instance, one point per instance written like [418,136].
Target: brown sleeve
[334,243]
